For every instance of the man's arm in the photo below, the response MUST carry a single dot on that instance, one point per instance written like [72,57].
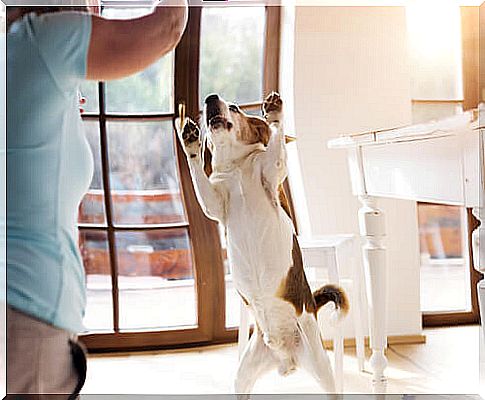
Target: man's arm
[119,48]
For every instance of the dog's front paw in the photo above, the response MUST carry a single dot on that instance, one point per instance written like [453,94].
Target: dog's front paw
[190,138]
[272,107]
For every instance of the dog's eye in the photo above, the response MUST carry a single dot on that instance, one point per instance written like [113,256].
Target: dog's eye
[234,108]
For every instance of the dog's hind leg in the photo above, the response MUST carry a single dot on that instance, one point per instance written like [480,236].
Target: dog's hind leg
[256,360]
[313,356]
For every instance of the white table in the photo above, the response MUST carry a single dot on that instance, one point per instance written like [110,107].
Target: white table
[440,162]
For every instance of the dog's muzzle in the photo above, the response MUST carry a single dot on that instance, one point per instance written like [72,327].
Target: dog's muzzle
[214,113]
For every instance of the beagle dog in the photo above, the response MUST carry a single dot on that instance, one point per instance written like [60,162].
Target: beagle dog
[237,165]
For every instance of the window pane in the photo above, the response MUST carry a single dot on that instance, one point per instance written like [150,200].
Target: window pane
[231,60]
[156,279]
[143,172]
[125,13]
[89,90]
[444,268]
[254,111]
[92,209]
[95,254]
[149,91]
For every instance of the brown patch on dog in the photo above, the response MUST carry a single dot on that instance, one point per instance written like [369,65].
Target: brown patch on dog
[207,157]
[284,201]
[294,288]
[259,131]
[251,130]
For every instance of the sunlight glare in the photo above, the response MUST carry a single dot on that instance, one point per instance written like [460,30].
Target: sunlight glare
[434,34]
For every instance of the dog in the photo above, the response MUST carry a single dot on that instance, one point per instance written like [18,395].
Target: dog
[237,165]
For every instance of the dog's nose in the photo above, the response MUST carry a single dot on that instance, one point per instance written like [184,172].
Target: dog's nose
[211,98]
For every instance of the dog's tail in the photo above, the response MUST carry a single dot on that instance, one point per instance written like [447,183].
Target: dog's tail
[335,294]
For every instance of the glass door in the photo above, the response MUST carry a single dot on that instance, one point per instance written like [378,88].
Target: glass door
[141,230]
[448,280]
[157,273]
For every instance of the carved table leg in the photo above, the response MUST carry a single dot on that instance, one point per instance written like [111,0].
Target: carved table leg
[372,230]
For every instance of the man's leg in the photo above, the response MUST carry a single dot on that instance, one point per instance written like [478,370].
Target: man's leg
[41,359]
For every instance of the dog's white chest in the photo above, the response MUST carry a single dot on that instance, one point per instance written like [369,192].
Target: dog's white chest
[259,235]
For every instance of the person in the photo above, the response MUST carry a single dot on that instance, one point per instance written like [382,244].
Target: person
[50,51]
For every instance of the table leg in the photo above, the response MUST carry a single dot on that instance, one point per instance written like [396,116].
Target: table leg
[372,230]
[359,305]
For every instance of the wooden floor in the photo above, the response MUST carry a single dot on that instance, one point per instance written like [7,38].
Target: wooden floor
[447,363]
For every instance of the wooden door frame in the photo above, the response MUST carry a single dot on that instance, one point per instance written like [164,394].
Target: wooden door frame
[470,31]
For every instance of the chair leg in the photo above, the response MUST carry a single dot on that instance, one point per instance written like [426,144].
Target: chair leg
[338,348]
[243,336]
[359,306]
[338,340]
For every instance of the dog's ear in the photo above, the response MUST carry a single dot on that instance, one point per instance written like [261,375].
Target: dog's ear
[206,156]
[261,130]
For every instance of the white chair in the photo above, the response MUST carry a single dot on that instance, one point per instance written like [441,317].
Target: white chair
[324,257]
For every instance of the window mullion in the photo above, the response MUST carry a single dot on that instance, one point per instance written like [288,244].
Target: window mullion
[139,117]
[108,203]
[271,49]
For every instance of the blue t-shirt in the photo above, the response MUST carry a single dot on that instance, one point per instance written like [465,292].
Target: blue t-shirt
[49,166]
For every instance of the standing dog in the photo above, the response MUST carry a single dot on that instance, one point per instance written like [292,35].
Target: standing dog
[241,189]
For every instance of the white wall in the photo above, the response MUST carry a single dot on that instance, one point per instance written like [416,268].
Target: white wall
[434,34]
[351,74]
